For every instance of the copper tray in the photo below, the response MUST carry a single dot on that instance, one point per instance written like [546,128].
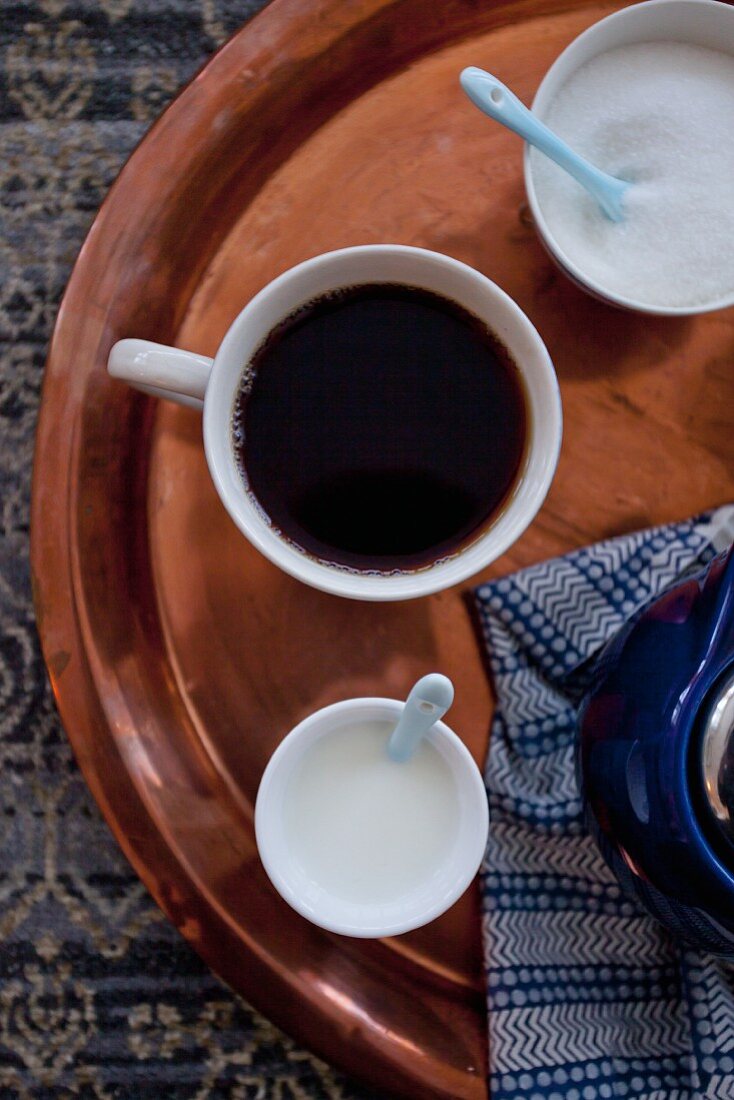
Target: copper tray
[179,656]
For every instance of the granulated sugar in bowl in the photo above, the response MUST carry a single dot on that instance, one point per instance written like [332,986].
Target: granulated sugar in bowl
[660,113]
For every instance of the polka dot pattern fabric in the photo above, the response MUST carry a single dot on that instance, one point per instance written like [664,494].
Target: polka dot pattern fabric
[588,997]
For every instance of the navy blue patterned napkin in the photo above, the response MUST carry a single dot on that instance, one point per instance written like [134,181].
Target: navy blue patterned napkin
[588,997]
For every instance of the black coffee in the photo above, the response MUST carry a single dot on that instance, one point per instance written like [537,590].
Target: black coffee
[380,427]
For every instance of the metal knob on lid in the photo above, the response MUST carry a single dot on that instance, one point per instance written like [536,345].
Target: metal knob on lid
[717,757]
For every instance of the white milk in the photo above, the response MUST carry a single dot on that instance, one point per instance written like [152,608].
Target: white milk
[660,114]
[365,829]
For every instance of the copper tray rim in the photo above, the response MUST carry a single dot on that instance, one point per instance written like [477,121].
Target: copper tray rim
[64,633]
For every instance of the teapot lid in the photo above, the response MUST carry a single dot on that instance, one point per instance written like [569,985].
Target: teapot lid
[717,757]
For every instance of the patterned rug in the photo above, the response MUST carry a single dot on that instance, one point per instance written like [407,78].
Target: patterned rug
[99,996]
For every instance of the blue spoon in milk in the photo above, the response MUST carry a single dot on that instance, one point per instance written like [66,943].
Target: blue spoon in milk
[427,702]
[496,100]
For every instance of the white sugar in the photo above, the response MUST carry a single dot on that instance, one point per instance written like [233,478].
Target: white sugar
[660,114]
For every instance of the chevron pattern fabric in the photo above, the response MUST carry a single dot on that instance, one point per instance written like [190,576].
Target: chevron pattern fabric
[588,997]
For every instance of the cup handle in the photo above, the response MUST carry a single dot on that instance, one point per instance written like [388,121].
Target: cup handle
[170,373]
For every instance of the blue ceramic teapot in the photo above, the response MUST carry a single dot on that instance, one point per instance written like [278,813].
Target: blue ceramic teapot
[656,757]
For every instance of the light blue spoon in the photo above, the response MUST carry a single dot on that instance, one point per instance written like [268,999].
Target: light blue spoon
[427,702]
[496,100]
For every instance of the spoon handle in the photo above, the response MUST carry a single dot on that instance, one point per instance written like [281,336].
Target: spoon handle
[428,701]
[496,100]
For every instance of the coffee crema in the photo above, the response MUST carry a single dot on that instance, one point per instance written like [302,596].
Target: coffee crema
[380,428]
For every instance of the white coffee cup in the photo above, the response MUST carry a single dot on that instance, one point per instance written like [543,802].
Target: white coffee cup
[212,384]
[425,901]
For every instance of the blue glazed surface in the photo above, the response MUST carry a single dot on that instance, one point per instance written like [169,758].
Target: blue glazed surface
[638,760]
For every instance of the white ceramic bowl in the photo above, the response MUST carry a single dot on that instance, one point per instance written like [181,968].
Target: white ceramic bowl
[449,880]
[705,23]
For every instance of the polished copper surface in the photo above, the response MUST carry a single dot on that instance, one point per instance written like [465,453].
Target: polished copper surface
[179,656]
